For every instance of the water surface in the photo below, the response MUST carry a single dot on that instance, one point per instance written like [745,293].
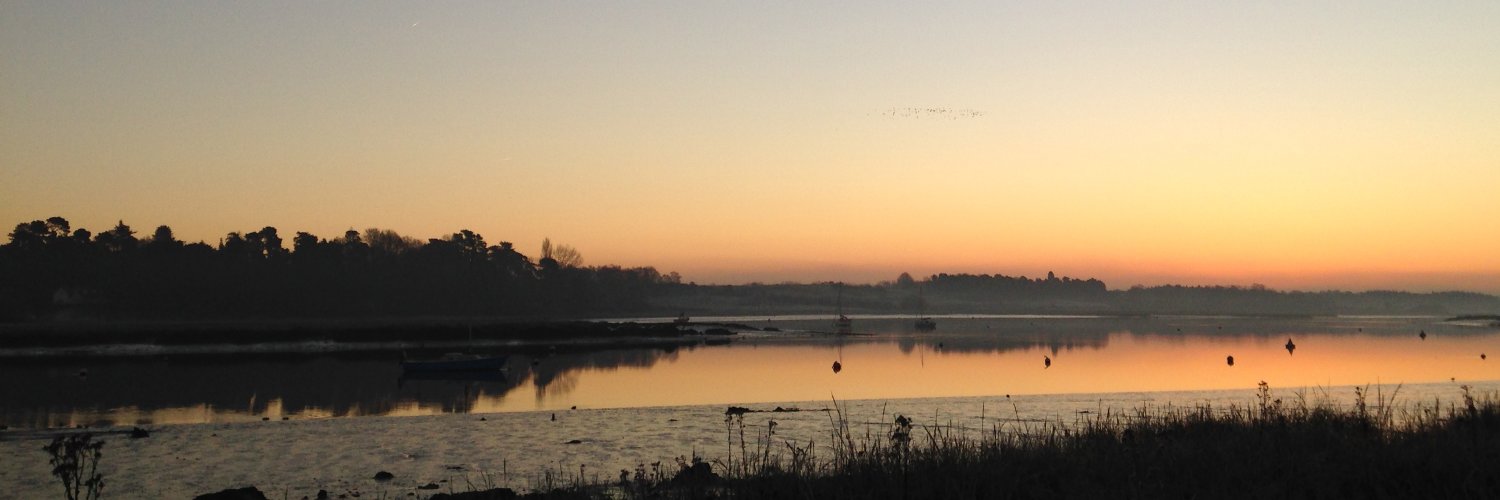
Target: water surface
[968,356]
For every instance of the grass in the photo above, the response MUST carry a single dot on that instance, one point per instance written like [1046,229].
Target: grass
[1272,448]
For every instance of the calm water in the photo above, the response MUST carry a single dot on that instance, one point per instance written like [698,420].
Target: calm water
[657,401]
[967,356]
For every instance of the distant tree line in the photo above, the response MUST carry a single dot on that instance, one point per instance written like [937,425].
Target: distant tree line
[1051,286]
[49,269]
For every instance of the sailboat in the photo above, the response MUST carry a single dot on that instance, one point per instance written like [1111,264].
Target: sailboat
[924,323]
[843,325]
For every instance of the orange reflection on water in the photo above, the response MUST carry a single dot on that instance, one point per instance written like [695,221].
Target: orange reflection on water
[1118,362]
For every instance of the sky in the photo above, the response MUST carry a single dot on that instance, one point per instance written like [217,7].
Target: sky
[1300,145]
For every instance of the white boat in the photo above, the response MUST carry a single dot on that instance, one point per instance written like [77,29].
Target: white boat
[455,361]
[842,325]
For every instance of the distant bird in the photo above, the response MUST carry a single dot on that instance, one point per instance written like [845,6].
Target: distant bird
[1046,362]
[837,367]
[1290,346]
[1422,335]
[1481,356]
[1230,360]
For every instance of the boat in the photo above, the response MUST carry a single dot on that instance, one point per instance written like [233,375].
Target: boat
[924,323]
[456,362]
[842,325]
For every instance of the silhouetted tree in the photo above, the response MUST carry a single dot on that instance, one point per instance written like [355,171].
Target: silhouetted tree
[119,239]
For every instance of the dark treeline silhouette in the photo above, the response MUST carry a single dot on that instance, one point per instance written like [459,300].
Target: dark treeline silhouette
[1008,285]
[51,270]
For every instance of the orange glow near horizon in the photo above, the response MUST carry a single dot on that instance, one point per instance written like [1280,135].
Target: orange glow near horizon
[1296,146]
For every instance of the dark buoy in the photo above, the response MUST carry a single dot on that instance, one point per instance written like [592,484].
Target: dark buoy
[1290,346]
[1230,360]
[1422,335]
[1046,362]
[837,367]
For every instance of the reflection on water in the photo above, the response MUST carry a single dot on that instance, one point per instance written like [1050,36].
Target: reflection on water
[978,356]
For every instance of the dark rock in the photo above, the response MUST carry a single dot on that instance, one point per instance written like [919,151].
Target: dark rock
[736,410]
[246,493]
[771,329]
[384,476]
[322,495]
[428,486]
[574,441]
[495,494]
[697,474]
[137,433]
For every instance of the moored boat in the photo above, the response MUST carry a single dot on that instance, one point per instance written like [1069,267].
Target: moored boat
[842,325]
[455,361]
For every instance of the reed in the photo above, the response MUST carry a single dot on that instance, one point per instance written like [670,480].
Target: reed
[1297,447]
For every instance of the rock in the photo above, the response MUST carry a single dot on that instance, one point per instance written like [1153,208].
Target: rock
[495,494]
[322,495]
[736,410]
[574,441]
[137,433]
[384,476]
[428,486]
[699,473]
[246,493]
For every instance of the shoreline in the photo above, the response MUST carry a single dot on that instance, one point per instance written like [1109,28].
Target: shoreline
[151,337]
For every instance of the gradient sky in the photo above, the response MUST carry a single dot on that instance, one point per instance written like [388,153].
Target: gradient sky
[1302,145]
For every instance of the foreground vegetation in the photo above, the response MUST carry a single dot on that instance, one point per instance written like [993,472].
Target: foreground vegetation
[1272,449]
